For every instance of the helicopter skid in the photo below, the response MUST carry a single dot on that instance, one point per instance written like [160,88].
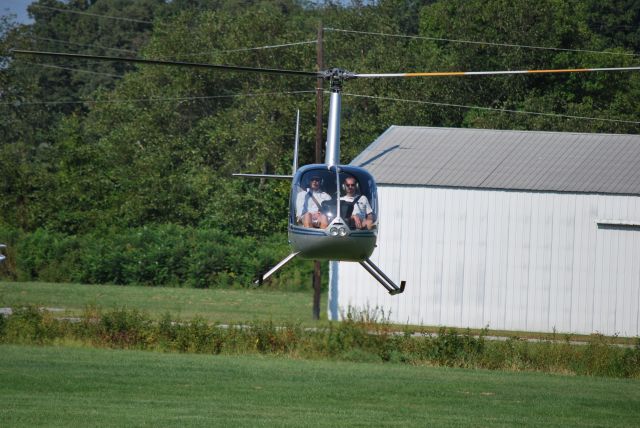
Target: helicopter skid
[274,269]
[318,244]
[383,279]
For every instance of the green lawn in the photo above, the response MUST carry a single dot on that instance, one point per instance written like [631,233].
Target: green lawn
[225,306]
[51,386]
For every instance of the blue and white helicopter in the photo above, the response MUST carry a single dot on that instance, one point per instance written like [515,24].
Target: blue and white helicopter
[333,209]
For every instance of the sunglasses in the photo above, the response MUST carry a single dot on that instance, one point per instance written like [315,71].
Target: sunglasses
[350,184]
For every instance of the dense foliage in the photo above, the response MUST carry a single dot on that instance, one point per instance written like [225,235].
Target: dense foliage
[94,152]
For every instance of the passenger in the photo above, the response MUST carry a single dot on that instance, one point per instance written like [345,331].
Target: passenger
[309,203]
[362,213]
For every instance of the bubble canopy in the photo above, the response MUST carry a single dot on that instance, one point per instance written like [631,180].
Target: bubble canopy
[317,190]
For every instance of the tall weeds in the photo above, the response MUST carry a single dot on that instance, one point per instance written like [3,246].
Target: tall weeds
[362,337]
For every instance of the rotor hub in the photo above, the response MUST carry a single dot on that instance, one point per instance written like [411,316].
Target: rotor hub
[336,76]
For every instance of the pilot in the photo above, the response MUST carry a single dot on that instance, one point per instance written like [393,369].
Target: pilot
[362,213]
[309,203]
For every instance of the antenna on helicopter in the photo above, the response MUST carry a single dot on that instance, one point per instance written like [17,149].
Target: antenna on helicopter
[296,144]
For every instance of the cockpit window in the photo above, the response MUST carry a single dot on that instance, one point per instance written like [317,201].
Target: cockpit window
[318,193]
[312,199]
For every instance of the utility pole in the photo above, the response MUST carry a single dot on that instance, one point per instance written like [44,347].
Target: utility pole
[317,284]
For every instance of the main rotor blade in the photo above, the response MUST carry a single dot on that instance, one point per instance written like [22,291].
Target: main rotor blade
[328,74]
[164,62]
[492,73]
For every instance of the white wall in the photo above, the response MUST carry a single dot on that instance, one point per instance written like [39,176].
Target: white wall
[508,260]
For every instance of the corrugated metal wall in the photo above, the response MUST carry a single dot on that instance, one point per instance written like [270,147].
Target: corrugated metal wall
[508,260]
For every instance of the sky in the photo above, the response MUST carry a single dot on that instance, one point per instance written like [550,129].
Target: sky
[16,7]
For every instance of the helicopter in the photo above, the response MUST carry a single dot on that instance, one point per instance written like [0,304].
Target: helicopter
[327,220]
[340,204]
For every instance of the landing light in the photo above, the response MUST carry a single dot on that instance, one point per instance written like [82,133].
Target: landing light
[338,231]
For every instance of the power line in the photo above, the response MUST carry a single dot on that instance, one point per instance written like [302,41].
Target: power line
[144,100]
[263,94]
[78,70]
[81,45]
[254,48]
[498,110]
[509,45]
[77,12]
[282,45]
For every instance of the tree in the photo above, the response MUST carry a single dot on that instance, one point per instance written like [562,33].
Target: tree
[561,26]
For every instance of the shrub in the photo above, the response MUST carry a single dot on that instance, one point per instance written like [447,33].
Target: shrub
[123,329]
[358,339]
[154,255]
[38,252]
[31,325]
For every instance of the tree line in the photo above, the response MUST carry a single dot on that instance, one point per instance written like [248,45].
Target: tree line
[101,149]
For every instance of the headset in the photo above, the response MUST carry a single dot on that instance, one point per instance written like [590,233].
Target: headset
[343,187]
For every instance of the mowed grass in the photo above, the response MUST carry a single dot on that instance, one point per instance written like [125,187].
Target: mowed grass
[219,305]
[54,386]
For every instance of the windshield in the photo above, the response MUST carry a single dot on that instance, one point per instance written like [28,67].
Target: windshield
[317,193]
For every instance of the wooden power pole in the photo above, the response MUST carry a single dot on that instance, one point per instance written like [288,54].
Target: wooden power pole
[317,284]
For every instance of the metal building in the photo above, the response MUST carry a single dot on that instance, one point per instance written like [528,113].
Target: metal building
[514,230]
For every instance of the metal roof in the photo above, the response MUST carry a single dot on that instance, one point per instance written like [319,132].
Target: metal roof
[513,160]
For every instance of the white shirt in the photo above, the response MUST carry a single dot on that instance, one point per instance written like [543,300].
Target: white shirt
[362,208]
[305,203]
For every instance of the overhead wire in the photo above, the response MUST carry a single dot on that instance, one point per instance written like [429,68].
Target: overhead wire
[511,45]
[499,110]
[95,15]
[149,22]
[159,99]
[474,42]
[282,45]
[348,94]
[78,70]
[81,45]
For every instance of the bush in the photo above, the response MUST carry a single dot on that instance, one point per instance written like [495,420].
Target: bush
[155,255]
[123,329]
[358,338]
[31,325]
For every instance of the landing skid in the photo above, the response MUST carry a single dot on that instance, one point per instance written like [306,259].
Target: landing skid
[274,269]
[383,279]
[370,267]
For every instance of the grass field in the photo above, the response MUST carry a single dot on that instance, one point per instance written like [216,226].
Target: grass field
[50,386]
[78,386]
[220,305]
